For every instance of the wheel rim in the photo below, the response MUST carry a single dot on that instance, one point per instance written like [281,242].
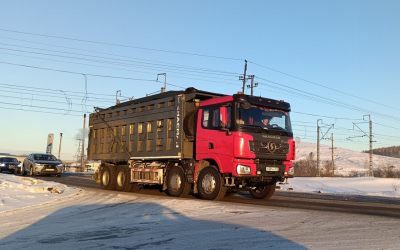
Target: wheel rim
[105,178]
[175,182]
[31,171]
[121,179]
[208,183]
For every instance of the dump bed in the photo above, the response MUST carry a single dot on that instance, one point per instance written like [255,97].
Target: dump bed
[153,127]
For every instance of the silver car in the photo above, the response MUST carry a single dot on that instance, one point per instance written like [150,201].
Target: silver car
[42,164]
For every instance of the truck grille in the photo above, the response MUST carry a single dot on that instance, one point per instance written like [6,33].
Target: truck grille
[269,147]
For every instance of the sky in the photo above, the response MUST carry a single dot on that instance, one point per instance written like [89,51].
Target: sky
[332,60]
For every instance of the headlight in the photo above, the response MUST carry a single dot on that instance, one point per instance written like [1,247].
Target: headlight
[60,165]
[2,164]
[242,169]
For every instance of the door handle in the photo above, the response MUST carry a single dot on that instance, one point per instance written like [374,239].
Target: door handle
[210,145]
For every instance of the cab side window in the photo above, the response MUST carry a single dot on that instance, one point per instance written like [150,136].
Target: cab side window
[212,118]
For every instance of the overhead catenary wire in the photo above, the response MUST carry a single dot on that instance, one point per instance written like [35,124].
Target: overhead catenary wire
[181,73]
[322,85]
[122,62]
[121,45]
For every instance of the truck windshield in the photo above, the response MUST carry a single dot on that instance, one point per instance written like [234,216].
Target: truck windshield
[265,118]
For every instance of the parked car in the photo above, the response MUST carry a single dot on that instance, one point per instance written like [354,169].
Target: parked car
[8,164]
[42,164]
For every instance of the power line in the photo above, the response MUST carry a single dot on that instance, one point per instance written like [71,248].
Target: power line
[332,101]
[325,116]
[77,73]
[110,54]
[121,45]
[39,111]
[41,107]
[116,61]
[322,85]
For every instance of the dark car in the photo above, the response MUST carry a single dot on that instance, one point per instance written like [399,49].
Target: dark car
[42,164]
[8,164]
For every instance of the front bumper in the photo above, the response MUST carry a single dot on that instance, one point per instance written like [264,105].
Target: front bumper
[47,169]
[261,168]
[8,168]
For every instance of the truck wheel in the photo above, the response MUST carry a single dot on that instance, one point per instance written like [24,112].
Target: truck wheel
[210,184]
[263,192]
[176,182]
[121,179]
[107,178]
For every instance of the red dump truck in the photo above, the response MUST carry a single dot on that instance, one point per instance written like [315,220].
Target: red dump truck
[193,141]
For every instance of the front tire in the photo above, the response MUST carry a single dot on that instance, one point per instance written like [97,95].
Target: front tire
[176,182]
[210,184]
[31,172]
[263,192]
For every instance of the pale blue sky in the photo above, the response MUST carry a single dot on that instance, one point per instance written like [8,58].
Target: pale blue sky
[350,46]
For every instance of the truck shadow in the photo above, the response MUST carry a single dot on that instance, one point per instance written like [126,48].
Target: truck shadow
[137,226]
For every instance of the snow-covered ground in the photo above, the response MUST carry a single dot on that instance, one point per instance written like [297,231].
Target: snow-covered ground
[100,219]
[346,161]
[387,187]
[18,192]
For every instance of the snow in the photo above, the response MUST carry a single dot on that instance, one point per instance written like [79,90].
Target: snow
[369,186]
[346,161]
[17,192]
[101,219]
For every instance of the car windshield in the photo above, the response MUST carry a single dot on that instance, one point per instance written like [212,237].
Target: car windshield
[13,160]
[265,118]
[44,157]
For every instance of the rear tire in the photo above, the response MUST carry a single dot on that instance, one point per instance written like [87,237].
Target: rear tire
[176,182]
[123,178]
[263,192]
[210,184]
[107,177]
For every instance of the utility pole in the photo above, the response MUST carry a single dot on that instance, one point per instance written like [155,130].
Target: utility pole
[244,75]
[252,85]
[83,142]
[59,146]
[371,172]
[332,154]
[163,89]
[370,136]
[319,138]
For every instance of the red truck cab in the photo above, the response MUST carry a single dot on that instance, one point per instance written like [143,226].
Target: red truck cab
[248,140]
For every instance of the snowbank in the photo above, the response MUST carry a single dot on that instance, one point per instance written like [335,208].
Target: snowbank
[388,187]
[18,192]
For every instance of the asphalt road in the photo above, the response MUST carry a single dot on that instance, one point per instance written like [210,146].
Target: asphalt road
[377,206]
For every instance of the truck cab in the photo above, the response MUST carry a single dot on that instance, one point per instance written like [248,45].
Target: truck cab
[248,140]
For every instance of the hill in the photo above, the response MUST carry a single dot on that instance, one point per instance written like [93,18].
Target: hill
[347,162]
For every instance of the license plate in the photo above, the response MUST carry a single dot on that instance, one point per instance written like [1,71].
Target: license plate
[272,169]
[49,169]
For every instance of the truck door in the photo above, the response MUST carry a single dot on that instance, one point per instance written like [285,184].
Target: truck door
[214,139]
